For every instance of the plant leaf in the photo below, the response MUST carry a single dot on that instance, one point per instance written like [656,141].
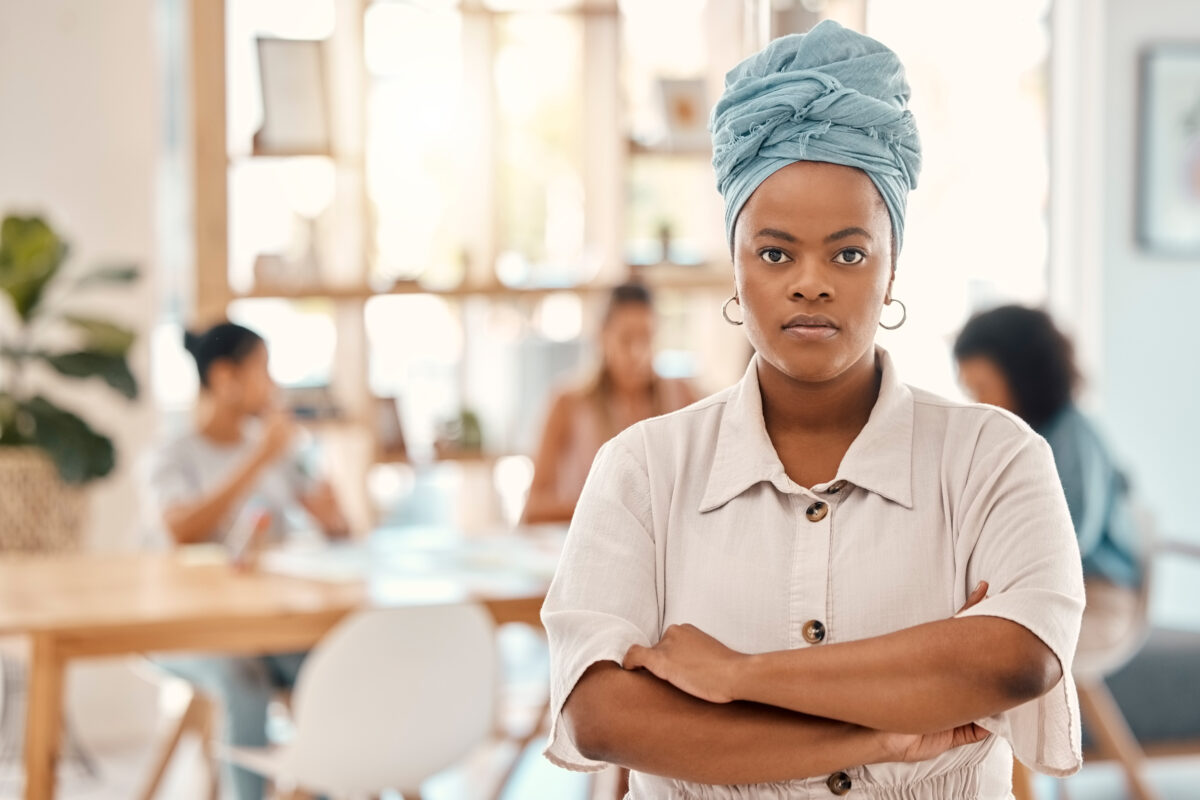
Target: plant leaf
[103,337]
[86,364]
[80,453]
[30,255]
[111,274]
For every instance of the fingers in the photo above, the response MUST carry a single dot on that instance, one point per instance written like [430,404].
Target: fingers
[969,734]
[977,594]
[635,657]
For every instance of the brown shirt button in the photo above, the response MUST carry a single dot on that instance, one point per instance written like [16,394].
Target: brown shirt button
[839,783]
[814,631]
[836,487]
[817,511]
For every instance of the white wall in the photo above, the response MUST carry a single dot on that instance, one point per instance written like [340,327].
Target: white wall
[79,144]
[1148,379]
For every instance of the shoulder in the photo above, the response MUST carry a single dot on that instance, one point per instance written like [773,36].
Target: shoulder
[1072,435]
[1071,424]
[178,447]
[661,438]
[569,396]
[677,392]
[975,429]
[175,459]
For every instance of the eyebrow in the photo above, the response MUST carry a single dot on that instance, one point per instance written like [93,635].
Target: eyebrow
[842,234]
[775,233]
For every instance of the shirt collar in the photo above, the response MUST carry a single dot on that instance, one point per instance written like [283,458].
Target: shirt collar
[879,459]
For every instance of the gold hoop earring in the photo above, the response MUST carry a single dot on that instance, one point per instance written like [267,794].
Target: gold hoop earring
[725,311]
[903,316]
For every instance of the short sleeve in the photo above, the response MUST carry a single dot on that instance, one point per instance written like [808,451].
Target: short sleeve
[603,598]
[1016,534]
[171,478]
[300,480]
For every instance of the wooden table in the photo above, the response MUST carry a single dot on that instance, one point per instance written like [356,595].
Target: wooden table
[82,606]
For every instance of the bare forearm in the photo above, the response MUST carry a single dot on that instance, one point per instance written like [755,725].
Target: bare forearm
[322,505]
[197,521]
[918,680]
[636,720]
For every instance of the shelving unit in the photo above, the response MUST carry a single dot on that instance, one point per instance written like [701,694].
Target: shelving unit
[690,295]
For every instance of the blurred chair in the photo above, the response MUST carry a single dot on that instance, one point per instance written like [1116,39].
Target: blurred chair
[1102,717]
[197,718]
[386,700]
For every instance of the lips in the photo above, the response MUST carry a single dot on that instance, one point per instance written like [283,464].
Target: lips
[810,321]
[810,327]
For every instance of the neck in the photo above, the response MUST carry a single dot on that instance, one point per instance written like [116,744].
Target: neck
[836,407]
[219,423]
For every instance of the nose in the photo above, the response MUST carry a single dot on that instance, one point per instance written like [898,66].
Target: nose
[809,280]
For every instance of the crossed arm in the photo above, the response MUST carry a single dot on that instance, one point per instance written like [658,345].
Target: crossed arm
[693,709]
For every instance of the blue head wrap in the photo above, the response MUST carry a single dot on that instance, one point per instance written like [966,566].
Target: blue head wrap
[829,95]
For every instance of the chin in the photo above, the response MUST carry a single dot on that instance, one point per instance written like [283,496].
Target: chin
[810,363]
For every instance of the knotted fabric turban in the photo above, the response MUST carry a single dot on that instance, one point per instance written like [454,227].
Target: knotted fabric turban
[829,95]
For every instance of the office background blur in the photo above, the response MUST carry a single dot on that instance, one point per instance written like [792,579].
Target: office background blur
[494,165]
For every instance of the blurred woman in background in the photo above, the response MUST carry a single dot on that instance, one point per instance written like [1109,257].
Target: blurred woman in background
[1015,358]
[624,390]
[240,459]
[241,450]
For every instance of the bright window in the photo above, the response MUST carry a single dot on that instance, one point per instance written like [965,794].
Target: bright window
[977,226]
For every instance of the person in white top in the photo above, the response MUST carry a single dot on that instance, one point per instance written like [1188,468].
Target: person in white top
[779,591]
[238,461]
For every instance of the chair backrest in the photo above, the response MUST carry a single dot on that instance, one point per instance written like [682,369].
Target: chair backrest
[390,697]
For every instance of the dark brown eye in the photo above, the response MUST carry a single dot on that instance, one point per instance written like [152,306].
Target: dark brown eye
[773,255]
[850,256]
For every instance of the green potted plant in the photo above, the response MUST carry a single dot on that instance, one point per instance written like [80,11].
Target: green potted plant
[47,451]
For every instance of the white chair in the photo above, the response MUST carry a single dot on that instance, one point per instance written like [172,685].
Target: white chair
[387,699]
[1099,710]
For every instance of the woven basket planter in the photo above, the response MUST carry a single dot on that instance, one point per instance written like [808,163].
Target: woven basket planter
[38,512]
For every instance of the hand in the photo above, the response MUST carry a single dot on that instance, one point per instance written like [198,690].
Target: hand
[279,431]
[922,747]
[692,661]
[322,504]
[918,747]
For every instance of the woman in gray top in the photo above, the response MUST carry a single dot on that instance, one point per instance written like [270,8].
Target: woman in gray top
[239,459]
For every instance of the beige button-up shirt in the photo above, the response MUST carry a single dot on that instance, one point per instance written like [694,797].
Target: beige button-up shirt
[690,518]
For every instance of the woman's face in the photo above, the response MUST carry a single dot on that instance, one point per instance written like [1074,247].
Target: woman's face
[245,385]
[813,267]
[985,382]
[627,341]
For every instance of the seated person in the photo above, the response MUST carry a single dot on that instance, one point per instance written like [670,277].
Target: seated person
[1015,358]
[623,390]
[239,455]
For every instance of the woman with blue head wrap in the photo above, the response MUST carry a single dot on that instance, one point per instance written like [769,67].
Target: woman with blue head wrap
[783,590]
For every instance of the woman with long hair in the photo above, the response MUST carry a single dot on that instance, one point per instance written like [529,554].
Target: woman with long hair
[624,389]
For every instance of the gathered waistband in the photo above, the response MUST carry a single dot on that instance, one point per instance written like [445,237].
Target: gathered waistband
[963,783]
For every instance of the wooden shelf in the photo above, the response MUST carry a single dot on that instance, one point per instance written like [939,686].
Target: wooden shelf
[483,458]
[638,149]
[657,276]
